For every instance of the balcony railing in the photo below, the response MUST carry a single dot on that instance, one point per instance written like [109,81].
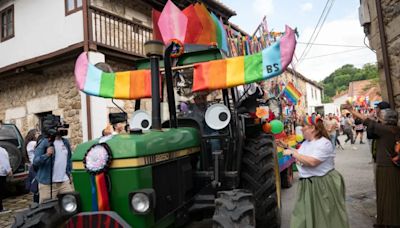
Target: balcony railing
[118,33]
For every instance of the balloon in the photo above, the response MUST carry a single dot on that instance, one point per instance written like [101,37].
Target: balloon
[299,138]
[261,112]
[276,126]
[266,128]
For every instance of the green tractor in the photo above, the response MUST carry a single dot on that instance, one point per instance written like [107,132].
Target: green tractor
[179,173]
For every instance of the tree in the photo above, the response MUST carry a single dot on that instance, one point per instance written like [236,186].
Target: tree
[339,80]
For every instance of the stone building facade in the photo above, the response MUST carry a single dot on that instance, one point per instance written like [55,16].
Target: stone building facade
[389,18]
[29,96]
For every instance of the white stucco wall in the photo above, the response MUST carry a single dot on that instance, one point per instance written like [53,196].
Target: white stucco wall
[41,27]
[313,98]
[340,100]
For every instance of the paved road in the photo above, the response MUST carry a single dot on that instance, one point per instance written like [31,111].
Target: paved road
[354,164]
[15,204]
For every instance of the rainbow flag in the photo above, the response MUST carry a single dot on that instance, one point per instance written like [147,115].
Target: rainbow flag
[291,93]
[120,85]
[230,72]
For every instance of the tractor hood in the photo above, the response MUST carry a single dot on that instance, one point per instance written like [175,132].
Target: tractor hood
[145,144]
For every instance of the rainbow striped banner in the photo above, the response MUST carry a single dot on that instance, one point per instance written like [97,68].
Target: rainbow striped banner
[291,93]
[100,197]
[212,75]
[120,85]
[231,72]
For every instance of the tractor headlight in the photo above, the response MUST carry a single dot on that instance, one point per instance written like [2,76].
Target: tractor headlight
[69,203]
[142,201]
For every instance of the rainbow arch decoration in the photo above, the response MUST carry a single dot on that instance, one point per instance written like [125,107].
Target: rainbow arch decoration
[231,72]
[130,85]
[211,75]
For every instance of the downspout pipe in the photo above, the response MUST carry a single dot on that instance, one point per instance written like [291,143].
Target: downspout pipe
[85,13]
[386,63]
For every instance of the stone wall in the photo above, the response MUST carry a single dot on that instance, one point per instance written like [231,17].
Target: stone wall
[391,19]
[25,96]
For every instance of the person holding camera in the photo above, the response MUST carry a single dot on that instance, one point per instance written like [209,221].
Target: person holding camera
[53,161]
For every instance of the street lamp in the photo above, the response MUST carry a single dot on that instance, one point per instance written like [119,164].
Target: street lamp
[154,50]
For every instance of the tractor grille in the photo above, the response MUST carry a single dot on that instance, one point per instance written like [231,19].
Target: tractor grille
[172,182]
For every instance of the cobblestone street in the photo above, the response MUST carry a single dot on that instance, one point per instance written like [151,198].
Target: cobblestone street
[15,204]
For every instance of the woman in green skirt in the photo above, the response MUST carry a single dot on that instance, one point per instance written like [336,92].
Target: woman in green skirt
[321,191]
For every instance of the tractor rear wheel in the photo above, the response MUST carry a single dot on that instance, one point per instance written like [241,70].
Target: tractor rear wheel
[234,209]
[258,176]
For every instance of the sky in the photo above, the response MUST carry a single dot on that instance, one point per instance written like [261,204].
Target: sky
[341,27]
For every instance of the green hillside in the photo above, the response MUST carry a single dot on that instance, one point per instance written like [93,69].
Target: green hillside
[339,80]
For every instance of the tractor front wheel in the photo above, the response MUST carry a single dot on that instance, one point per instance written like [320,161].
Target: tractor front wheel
[234,209]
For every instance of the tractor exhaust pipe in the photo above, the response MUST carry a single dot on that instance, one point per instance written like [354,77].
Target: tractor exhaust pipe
[154,50]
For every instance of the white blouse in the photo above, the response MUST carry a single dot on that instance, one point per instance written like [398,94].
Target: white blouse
[322,150]
[30,149]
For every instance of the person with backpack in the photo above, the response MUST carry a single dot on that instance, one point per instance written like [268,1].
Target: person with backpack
[387,171]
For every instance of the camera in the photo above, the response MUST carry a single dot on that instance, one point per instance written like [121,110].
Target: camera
[53,126]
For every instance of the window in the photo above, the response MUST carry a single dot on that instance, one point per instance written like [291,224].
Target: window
[7,23]
[71,6]
[312,92]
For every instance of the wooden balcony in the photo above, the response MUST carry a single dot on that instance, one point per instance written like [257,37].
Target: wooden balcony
[117,33]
